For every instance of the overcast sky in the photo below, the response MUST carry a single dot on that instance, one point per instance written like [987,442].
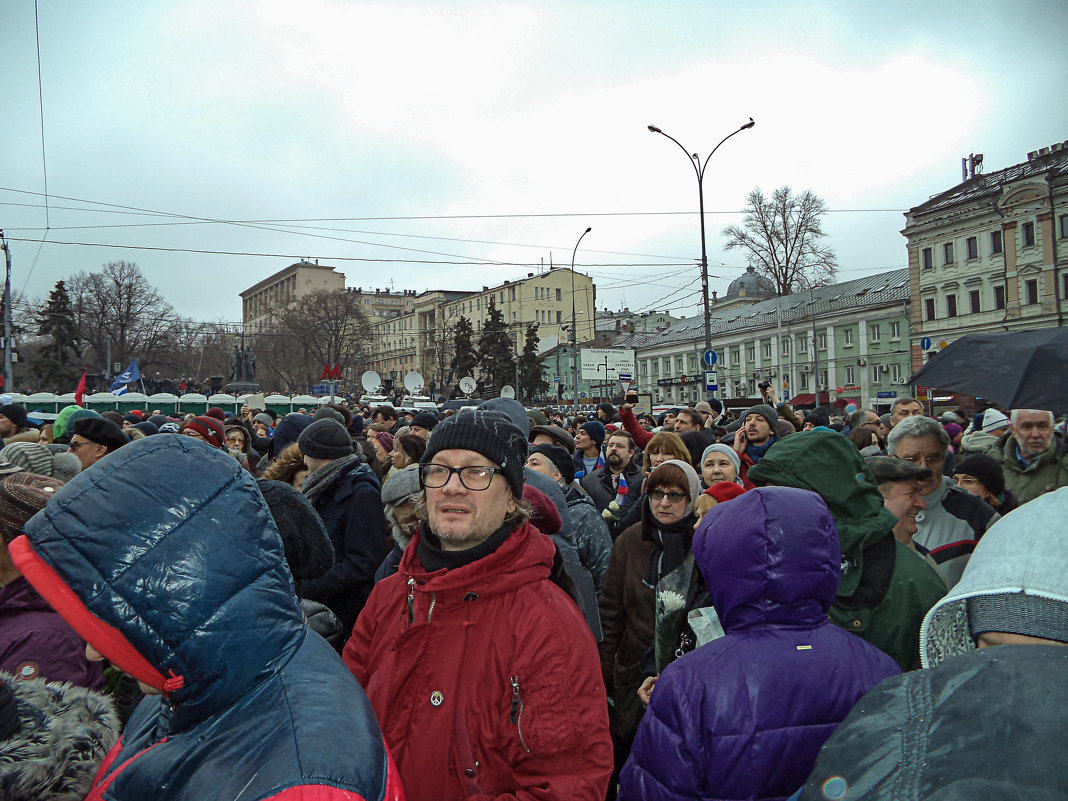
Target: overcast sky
[461,144]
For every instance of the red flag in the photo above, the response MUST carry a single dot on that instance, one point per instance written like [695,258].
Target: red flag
[79,393]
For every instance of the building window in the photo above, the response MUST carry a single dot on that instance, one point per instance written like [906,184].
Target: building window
[995,242]
[873,333]
[767,350]
[875,374]
[559,294]
[973,300]
[1031,288]
[514,317]
[1062,223]
[928,309]
[850,375]
[823,378]
[999,297]
[802,344]
[1027,231]
[803,381]
[821,343]
[1065,281]
[947,253]
[511,293]
[736,354]
[785,346]
[895,373]
[973,247]
[559,316]
[847,337]
[951,305]
[750,354]
[928,258]
[895,330]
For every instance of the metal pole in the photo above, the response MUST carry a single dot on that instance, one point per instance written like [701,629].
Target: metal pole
[699,169]
[574,332]
[7,313]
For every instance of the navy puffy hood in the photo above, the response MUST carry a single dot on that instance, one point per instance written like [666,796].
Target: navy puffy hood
[176,569]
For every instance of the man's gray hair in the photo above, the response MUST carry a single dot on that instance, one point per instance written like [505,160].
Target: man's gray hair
[916,426]
[900,401]
[1016,412]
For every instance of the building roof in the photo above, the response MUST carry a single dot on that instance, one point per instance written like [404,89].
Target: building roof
[1040,162]
[874,290]
[750,284]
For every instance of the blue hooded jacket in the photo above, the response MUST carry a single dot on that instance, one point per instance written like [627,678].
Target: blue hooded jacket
[165,558]
[744,716]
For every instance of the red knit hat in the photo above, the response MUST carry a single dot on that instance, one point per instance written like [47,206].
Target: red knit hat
[209,428]
[724,491]
[216,412]
[137,412]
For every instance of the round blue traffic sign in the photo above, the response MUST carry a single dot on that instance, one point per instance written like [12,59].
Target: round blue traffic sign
[710,357]
[925,343]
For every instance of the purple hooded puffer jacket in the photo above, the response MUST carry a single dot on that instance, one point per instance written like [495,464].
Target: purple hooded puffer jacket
[744,716]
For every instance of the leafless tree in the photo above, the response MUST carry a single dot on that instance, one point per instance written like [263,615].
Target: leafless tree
[323,327]
[119,305]
[783,234]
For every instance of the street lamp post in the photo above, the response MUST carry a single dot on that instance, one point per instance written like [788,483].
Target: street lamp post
[574,334]
[699,169]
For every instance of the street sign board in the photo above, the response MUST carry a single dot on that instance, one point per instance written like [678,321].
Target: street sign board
[556,379]
[625,381]
[711,381]
[710,357]
[605,364]
[925,343]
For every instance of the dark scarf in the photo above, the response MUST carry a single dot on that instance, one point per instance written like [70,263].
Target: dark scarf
[433,557]
[755,452]
[671,544]
[316,483]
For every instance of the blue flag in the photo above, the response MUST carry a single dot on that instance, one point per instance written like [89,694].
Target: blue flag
[130,376]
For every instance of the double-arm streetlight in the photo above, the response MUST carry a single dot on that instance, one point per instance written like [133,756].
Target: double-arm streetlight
[699,169]
[574,333]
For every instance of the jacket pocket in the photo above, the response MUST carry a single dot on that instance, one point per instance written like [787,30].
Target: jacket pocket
[466,763]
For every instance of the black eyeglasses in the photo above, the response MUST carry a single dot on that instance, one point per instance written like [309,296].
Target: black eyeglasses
[674,495]
[75,445]
[474,477]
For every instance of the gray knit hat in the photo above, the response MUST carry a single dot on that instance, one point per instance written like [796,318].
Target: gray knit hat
[765,411]
[30,456]
[265,419]
[486,432]
[325,439]
[726,450]
[400,485]
[1018,613]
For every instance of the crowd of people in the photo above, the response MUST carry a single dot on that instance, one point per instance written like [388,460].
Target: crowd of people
[512,603]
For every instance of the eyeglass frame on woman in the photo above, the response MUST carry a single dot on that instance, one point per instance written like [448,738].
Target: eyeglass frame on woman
[460,472]
[657,495]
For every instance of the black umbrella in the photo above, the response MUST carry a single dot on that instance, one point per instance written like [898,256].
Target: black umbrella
[1015,369]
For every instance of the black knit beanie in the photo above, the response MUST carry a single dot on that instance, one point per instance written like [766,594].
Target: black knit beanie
[325,439]
[486,432]
[985,468]
[560,458]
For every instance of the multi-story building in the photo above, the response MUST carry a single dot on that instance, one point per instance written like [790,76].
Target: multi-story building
[850,340]
[284,287]
[421,339]
[384,303]
[988,254]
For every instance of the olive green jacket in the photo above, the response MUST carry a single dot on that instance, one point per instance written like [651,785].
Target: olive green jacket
[886,588]
[1047,472]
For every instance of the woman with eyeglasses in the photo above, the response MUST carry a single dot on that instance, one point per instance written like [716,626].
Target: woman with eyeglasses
[643,554]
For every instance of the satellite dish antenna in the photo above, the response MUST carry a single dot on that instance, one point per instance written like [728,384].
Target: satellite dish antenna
[507,391]
[413,382]
[467,385]
[370,381]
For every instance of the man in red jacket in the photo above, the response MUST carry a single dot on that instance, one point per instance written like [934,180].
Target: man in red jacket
[482,671]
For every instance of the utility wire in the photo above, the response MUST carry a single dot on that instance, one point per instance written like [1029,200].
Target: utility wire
[44,160]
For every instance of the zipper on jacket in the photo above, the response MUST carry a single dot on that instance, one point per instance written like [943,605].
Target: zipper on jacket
[433,602]
[411,600]
[516,715]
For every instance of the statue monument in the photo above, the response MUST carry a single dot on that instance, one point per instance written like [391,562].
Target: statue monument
[242,369]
